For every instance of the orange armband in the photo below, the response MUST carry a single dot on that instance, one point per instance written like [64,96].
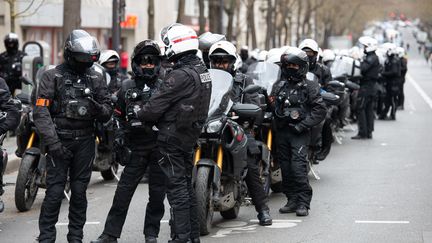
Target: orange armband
[42,102]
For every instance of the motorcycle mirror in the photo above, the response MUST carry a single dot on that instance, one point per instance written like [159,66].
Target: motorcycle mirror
[27,81]
[24,98]
[252,89]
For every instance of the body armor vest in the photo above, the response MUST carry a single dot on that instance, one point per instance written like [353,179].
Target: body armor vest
[72,101]
[290,103]
[192,111]
[135,98]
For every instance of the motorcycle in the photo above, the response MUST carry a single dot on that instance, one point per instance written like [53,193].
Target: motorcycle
[221,156]
[4,156]
[266,74]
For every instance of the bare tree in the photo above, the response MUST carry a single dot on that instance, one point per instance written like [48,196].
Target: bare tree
[151,13]
[180,12]
[25,13]
[202,19]
[71,16]
[230,9]
[269,21]
[215,16]
[251,22]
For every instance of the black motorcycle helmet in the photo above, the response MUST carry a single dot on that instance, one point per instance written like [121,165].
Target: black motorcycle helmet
[11,43]
[294,56]
[146,51]
[81,50]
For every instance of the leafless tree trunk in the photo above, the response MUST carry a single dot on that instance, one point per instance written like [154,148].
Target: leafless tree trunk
[251,22]
[230,10]
[214,16]
[180,11]
[71,17]
[151,14]
[299,12]
[269,20]
[202,19]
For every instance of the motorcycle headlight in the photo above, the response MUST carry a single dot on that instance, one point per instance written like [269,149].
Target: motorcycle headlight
[214,126]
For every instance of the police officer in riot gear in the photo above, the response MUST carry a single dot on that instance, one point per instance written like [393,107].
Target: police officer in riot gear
[298,106]
[321,71]
[223,56]
[109,59]
[70,98]
[11,62]
[321,135]
[180,109]
[140,139]
[404,68]
[392,76]
[9,120]
[206,40]
[370,69]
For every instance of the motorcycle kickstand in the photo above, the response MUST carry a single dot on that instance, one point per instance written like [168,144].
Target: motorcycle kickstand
[314,173]
[115,174]
[66,195]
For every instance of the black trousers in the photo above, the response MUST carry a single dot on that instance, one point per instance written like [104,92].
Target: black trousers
[253,181]
[401,96]
[129,180]
[292,157]
[390,102]
[80,169]
[365,115]
[2,169]
[177,166]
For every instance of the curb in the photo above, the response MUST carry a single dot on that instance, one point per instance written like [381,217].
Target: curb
[13,163]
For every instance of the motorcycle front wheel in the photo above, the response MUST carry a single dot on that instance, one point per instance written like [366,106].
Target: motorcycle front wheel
[26,188]
[204,195]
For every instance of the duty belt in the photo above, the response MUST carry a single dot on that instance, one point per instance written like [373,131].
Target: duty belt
[75,134]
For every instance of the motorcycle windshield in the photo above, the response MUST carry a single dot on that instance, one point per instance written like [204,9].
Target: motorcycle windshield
[220,102]
[264,74]
[342,66]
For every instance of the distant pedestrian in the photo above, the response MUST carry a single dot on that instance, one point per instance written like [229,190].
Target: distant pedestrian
[407,47]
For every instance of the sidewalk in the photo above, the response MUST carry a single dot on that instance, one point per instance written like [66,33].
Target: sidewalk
[13,161]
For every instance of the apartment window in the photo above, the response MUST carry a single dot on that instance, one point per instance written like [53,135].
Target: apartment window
[2,20]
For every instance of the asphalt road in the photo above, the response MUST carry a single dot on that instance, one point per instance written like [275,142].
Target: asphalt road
[370,191]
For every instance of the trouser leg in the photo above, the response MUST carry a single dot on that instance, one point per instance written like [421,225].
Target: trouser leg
[157,190]
[129,180]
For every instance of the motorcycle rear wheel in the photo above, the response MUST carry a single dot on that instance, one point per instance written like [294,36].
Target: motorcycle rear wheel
[26,188]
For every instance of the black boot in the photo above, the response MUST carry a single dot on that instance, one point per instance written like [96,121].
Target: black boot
[264,218]
[104,238]
[194,240]
[302,211]
[150,239]
[290,207]
[358,136]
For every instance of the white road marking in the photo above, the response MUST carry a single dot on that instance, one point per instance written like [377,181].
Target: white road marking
[383,144]
[380,222]
[420,90]
[87,223]
[164,221]
[232,224]
[280,220]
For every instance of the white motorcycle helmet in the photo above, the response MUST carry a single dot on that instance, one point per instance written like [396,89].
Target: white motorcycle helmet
[370,44]
[309,43]
[178,39]
[262,56]
[224,49]
[274,55]
[108,56]
[400,51]
[328,55]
